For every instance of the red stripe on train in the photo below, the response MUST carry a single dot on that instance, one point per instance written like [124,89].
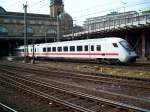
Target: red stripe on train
[103,54]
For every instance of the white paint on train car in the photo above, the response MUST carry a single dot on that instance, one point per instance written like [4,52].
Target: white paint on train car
[110,48]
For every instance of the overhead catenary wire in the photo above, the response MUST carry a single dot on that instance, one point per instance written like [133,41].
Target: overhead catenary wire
[36,3]
[39,2]
[94,13]
[12,3]
[108,10]
[36,9]
[105,4]
[93,7]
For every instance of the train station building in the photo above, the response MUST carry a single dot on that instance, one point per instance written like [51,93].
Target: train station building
[40,27]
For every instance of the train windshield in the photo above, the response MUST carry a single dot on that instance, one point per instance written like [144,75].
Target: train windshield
[126,45]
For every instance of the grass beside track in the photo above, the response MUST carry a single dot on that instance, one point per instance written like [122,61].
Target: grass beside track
[93,67]
[88,67]
[124,72]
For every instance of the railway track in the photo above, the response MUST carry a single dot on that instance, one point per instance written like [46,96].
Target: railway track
[72,99]
[95,73]
[133,66]
[128,82]
[47,68]
[59,83]
[97,77]
[5,108]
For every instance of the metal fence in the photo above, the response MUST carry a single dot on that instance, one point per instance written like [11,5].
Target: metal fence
[111,24]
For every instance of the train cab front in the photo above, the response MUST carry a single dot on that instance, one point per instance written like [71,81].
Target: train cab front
[131,55]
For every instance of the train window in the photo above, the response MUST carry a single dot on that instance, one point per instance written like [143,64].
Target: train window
[44,49]
[22,50]
[54,49]
[79,48]
[49,49]
[26,50]
[31,50]
[92,47]
[98,47]
[59,49]
[65,48]
[86,47]
[72,48]
[126,46]
[35,50]
[115,44]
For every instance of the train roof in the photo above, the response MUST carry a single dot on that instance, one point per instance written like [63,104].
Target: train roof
[108,39]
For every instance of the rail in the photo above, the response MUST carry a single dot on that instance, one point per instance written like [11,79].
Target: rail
[96,77]
[6,108]
[106,101]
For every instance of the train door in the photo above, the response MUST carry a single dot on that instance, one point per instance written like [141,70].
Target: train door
[92,51]
[103,50]
[112,50]
[86,51]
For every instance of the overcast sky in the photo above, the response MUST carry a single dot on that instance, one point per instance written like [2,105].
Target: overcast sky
[78,9]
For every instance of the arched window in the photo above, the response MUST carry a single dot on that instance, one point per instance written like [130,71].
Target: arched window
[51,31]
[29,31]
[3,31]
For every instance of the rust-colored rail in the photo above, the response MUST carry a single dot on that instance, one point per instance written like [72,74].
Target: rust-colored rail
[79,99]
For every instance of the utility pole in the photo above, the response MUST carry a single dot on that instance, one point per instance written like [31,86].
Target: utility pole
[45,37]
[33,52]
[25,33]
[58,30]
[73,28]
[124,6]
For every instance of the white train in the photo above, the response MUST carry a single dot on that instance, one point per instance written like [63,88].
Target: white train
[109,50]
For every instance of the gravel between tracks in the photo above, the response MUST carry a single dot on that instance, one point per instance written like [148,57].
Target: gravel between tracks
[22,103]
[31,105]
[93,67]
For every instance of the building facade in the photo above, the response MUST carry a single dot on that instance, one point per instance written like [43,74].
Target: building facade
[56,8]
[40,27]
